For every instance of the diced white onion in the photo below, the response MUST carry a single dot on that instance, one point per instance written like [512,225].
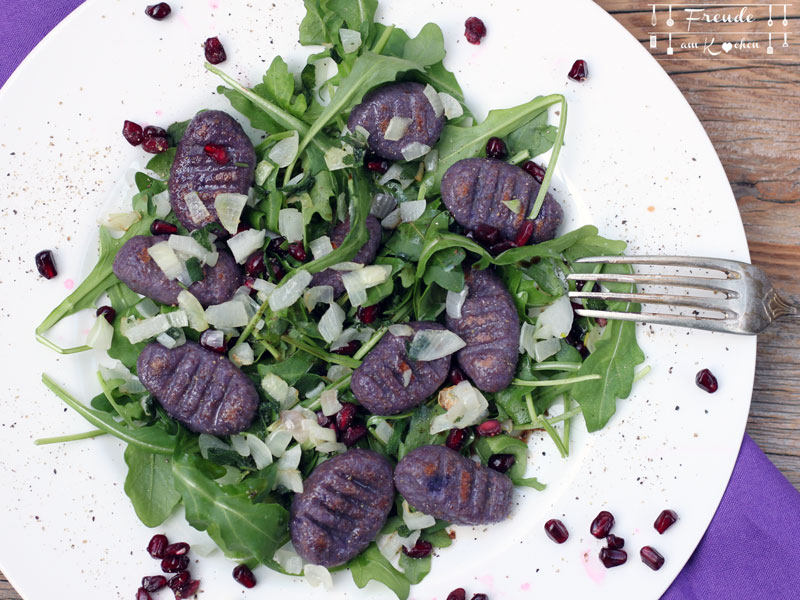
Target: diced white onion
[431,160]
[337,372]
[390,545]
[392,220]
[240,445]
[382,205]
[213,338]
[331,324]
[455,301]
[527,340]
[276,387]
[193,309]
[263,171]
[412,210]
[384,431]
[396,128]
[258,450]
[336,158]
[132,386]
[289,292]
[320,246]
[116,370]
[324,69]
[207,441]
[347,266]
[229,210]
[350,334]
[264,286]
[513,205]
[121,221]
[316,390]
[555,320]
[198,212]
[177,318]
[407,374]
[228,314]
[185,246]
[287,557]
[357,282]
[291,458]
[100,335]
[465,406]
[290,479]
[432,344]
[329,403]
[396,173]
[545,349]
[415,150]
[317,575]
[452,107]
[351,40]
[284,151]
[166,259]
[243,244]
[400,330]
[242,354]
[148,328]
[290,224]
[331,447]
[362,133]
[147,308]
[161,203]
[172,338]
[416,520]
[436,102]
[316,295]
[296,179]
[277,441]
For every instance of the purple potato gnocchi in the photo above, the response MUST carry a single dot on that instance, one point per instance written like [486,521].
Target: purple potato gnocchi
[397,100]
[202,389]
[442,483]
[474,190]
[380,383]
[195,171]
[134,266]
[489,325]
[344,504]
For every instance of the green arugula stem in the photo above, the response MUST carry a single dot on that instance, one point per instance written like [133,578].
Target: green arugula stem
[556,366]
[271,349]
[552,382]
[370,344]
[44,341]
[107,393]
[519,157]
[555,437]
[567,422]
[326,356]
[551,165]
[69,438]
[402,313]
[645,370]
[536,423]
[381,43]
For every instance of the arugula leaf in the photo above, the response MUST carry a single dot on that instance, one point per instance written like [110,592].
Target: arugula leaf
[409,239]
[358,14]
[320,25]
[371,565]
[415,569]
[162,163]
[536,136]
[149,486]
[439,537]
[505,444]
[419,431]
[290,369]
[278,86]
[444,269]
[427,48]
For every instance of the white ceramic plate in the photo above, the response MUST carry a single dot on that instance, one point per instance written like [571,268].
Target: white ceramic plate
[637,163]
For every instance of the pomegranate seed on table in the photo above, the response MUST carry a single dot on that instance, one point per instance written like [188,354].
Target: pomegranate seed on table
[496,148]
[556,531]
[132,132]
[151,131]
[156,546]
[455,439]
[207,342]
[524,233]
[154,583]
[215,53]
[614,542]
[474,30]
[161,227]
[254,265]
[579,71]
[143,594]
[158,11]
[242,574]
[456,375]
[489,428]
[602,524]
[705,380]
[177,549]
[348,349]
[178,581]
[109,313]
[665,520]
[368,314]
[189,590]
[217,152]
[297,251]
[45,264]
[353,433]
[419,550]
[531,168]
[156,145]
[373,162]
[457,594]
[613,558]
[651,557]
[345,416]
[501,462]
[174,564]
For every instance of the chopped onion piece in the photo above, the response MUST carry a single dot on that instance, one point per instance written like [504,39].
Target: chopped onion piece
[392,220]
[431,344]
[148,328]
[296,179]
[384,431]
[324,69]
[545,349]
[243,244]
[465,406]
[329,403]
[193,309]
[277,442]
[161,203]
[290,479]
[382,205]
[316,295]
[185,246]
[412,210]
[400,330]
[513,205]
[396,128]
[407,376]
[336,158]
[431,160]
[415,150]
[213,338]
[287,557]
[350,334]
[362,133]
[228,314]
[357,282]
[264,286]
[207,441]
[331,324]
[240,445]
[290,224]
[455,301]
[197,210]
[229,209]
[337,372]
[289,292]
[331,447]
[284,151]
[242,354]
[351,40]
[263,171]
[171,338]
[100,335]
[115,371]
[276,387]
[291,458]
[555,320]
[390,545]
[347,266]
[122,221]
[452,107]
[166,259]
[416,520]
[317,575]
[320,247]
[434,99]
[146,308]
[396,172]
[258,450]
[527,339]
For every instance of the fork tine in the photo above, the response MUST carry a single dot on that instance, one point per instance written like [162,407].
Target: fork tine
[718,304]
[694,322]
[704,283]
[715,264]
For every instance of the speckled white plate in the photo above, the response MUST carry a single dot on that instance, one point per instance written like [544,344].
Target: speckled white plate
[637,163]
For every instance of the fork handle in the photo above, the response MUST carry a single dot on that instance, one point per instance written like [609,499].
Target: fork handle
[780,308]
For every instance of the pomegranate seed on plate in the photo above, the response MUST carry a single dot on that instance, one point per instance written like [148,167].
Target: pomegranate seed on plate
[501,462]
[419,550]
[602,524]
[109,313]
[651,557]
[496,148]
[368,314]
[177,549]
[614,542]
[455,439]
[174,564]
[474,30]
[345,416]
[132,132]
[207,342]
[531,168]
[457,594]
[151,131]
[579,71]
[455,376]
[215,53]
[297,252]
[613,558]
[524,233]
[353,433]
[348,349]
[373,162]
[156,145]
[156,546]
[179,581]
[158,11]
[154,583]
[45,264]
[665,520]
[556,531]
[243,575]
[190,589]
[489,428]
[705,380]
[217,152]
[480,597]
[254,265]
[142,594]
[160,227]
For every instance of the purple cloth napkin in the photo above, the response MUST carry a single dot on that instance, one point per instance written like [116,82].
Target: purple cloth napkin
[751,550]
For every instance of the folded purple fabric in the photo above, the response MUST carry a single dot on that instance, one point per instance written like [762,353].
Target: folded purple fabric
[751,550]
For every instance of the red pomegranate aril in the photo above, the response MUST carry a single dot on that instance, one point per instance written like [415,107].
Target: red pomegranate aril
[486,234]
[154,583]
[474,31]
[217,152]
[215,53]
[276,270]
[160,227]
[489,428]
[174,564]
[177,549]
[106,311]
[373,162]
[419,550]
[345,416]
[457,594]
[614,542]
[189,590]
[143,594]
[243,575]
[501,462]
[480,597]
[531,168]
[324,420]
[368,314]
[496,148]
[524,233]
[602,524]
[651,557]
[45,264]
[455,439]
[297,251]
[556,531]
[157,545]
[579,71]
[254,265]
[353,433]
[348,349]
[156,145]
[178,581]
[158,11]
[455,376]
[501,247]
[665,520]
[205,342]
[152,131]
[705,380]
[132,132]
[613,558]
[275,246]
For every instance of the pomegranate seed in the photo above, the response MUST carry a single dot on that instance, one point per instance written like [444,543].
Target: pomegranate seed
[324,420]
[455,376]
[177,549]
[188,590]
[368,314]
[348,349]
[254,265]
[109,313]
[665,520]
[45,264]
[156,546]
[156,145]
[579,71]
[244,575]
[501,462]
[275,246]
[159,227]
[705,380]
[455,439]
[373,162]
[531,168]
[496,148]
[651,557]
[132,132]
[474,31]
[480,597]
[142,594]
[206,342]
[158,11]
[276,271]
[354,433]
[419,550]
[174,564]
[297,252]
[217,152]
[524,233]
[486,234]
[556,531]
[215,53]
[345,416]
[154,583]
[179,581]
[457,594]
[601,322]
[613,558]
[614,542]
[489,428]
[602,524]
[151,131]
[501,247]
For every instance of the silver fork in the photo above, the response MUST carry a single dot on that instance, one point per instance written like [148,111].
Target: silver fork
[745,299]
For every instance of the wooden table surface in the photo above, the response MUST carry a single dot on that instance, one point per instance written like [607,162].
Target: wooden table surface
[751,111]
